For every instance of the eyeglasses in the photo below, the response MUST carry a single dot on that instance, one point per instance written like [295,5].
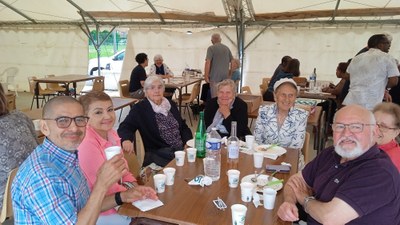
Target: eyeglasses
[65,121]
[384,128]
[353,127]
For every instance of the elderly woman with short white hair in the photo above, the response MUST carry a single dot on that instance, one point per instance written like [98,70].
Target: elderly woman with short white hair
[281,123]
[160,68]
[225,108]
[159,122]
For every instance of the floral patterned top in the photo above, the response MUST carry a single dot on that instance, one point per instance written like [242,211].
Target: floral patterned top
[18,140]
[290,135]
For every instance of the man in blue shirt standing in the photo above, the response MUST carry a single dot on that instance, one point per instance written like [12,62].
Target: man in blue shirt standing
[50,188]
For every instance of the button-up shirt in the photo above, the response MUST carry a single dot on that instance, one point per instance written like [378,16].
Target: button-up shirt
[49,187]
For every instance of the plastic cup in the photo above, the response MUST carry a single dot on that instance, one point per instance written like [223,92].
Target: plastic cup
[36,124]
[112,151]
[159,182]
[258,158]
[170,175]
[246,191]
[249,141]
[269,196]
[191,154]
[180,158]
[238,214]
[233,178]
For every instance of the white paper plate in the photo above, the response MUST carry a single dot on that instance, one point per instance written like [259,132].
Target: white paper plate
[276,150]
[262,180]
[190,143]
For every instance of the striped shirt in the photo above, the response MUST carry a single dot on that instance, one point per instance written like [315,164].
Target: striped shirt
[49,187]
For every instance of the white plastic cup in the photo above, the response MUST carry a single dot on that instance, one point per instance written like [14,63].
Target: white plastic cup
[246,189]
[180,158]
[191,154]
[159,182]
[170,175]
[112,151]
[233,178]
[238,214]
[269,196]
[249,141]
[258,158]
[36,124]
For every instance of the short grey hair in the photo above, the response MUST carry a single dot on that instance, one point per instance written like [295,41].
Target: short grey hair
[158,57]
[151,80]
[227,82]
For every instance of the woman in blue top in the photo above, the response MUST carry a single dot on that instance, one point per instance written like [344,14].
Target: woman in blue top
[291,70]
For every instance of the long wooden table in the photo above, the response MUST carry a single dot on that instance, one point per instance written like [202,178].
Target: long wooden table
[185,204]
[64,79]
[180,83]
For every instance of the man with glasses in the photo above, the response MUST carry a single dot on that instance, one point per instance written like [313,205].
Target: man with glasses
[352,182]
[50,188]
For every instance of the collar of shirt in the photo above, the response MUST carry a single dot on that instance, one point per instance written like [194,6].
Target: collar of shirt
[113,138]
[68,157]
[390,145]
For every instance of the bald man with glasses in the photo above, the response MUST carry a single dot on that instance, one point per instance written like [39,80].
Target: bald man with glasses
[352,182]
[50,188]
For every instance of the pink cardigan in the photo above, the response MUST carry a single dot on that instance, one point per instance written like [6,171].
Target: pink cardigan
[91,156]
[393,150]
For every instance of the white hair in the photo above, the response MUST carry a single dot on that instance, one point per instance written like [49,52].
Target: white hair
[158,57]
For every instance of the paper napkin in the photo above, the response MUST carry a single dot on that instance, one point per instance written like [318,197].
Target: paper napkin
[147,204]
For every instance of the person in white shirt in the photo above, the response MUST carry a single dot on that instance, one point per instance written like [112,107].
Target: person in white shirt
[371,73]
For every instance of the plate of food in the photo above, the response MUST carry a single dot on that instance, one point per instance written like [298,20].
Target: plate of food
[271,149]
[262,181]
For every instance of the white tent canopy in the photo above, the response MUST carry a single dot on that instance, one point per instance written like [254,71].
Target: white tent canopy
[46,37]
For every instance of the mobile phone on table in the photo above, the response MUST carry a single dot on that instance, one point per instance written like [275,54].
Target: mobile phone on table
[279,168]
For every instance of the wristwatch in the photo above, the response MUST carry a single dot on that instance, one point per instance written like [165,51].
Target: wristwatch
[306,200]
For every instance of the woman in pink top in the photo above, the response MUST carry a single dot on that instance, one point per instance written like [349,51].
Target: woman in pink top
[387,117]
[100,135]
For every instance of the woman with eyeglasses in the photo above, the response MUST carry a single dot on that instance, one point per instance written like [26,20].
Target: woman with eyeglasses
[159,123]
[100,135]
[387,117]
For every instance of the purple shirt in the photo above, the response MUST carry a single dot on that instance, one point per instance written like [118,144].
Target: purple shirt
[370,184]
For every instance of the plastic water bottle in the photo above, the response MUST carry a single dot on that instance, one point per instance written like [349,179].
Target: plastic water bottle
[313,80]
[233,148]
[212,162]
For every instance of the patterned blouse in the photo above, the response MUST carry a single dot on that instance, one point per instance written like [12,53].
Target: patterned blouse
[18,140]
[290,135]
[169,130]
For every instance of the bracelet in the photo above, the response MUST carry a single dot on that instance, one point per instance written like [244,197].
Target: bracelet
[306,200]
[118,199]
[128,185]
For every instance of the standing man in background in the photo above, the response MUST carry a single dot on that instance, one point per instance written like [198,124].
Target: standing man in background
[371,72]
[218,64]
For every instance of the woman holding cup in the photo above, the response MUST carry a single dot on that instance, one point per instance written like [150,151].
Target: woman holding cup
[99,137]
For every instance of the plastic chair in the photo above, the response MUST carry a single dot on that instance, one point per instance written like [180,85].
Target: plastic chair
[54,86]
[300,81]
[306,148]
[7,210]
[245,90]
[193,96]
[124,88]
[10,74]
[42,93]
[98,85]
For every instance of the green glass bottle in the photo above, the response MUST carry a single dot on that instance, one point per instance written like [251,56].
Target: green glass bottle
[200,137]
